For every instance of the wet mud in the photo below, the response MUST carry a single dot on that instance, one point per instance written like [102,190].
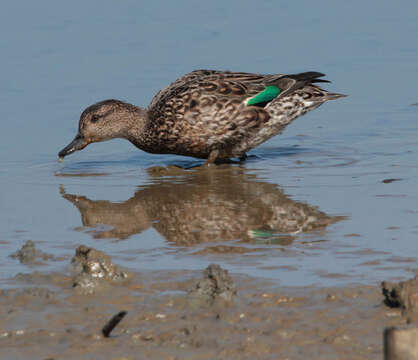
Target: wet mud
[46,317]
[93,269]
[216,283]
[30,255]
[403,295]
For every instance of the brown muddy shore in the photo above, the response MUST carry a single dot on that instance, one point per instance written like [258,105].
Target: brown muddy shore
[206,314]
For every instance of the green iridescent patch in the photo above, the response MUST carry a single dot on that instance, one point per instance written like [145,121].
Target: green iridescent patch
[268,94]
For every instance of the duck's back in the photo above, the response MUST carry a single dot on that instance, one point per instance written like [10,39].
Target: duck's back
[230,112]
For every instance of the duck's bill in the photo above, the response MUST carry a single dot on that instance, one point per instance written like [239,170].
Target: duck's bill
[78,143]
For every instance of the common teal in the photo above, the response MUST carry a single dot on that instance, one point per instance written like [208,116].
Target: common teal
[208,114]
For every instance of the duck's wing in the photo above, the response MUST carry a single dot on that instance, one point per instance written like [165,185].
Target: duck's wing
[206,108]
[221,83]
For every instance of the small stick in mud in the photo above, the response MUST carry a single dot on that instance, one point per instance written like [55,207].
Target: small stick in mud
[388,181]
[111,324]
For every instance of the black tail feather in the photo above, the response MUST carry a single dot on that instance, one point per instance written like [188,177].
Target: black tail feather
[290,83]
[309,77]
[305,76]
[320,81]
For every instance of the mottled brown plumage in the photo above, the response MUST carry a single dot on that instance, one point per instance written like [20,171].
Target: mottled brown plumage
[205,114]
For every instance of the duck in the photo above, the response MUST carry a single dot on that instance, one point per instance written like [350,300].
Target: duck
[206,114]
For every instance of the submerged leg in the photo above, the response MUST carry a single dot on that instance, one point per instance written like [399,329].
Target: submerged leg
[243,157]
[212,157]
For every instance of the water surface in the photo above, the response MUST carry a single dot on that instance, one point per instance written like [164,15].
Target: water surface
[310,206]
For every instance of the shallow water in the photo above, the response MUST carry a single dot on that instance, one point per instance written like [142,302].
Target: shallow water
[309,207]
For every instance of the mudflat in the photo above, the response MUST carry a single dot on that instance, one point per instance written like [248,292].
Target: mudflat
[208,314]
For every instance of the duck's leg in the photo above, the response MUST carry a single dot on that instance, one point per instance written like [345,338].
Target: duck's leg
[243,157]
[212,157]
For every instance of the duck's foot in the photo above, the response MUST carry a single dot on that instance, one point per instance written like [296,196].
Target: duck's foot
[212,158]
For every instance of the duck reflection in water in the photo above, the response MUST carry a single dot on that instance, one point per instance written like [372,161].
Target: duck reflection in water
[202,205]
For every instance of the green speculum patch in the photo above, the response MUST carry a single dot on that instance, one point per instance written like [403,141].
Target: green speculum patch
[268,94]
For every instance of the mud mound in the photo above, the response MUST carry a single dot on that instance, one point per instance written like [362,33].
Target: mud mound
[404,295]
[216,283]
[29,255]
[93,269]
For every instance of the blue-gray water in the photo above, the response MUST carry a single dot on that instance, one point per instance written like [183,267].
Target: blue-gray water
[57,58]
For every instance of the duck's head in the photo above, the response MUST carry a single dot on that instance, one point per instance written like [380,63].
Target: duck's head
[108,119]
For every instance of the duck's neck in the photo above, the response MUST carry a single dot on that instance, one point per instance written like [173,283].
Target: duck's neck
[137,123]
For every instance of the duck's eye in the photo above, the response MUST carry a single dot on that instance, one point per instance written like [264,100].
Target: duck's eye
[94,118]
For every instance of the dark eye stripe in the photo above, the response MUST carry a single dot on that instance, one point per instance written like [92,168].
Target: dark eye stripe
[95,118]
